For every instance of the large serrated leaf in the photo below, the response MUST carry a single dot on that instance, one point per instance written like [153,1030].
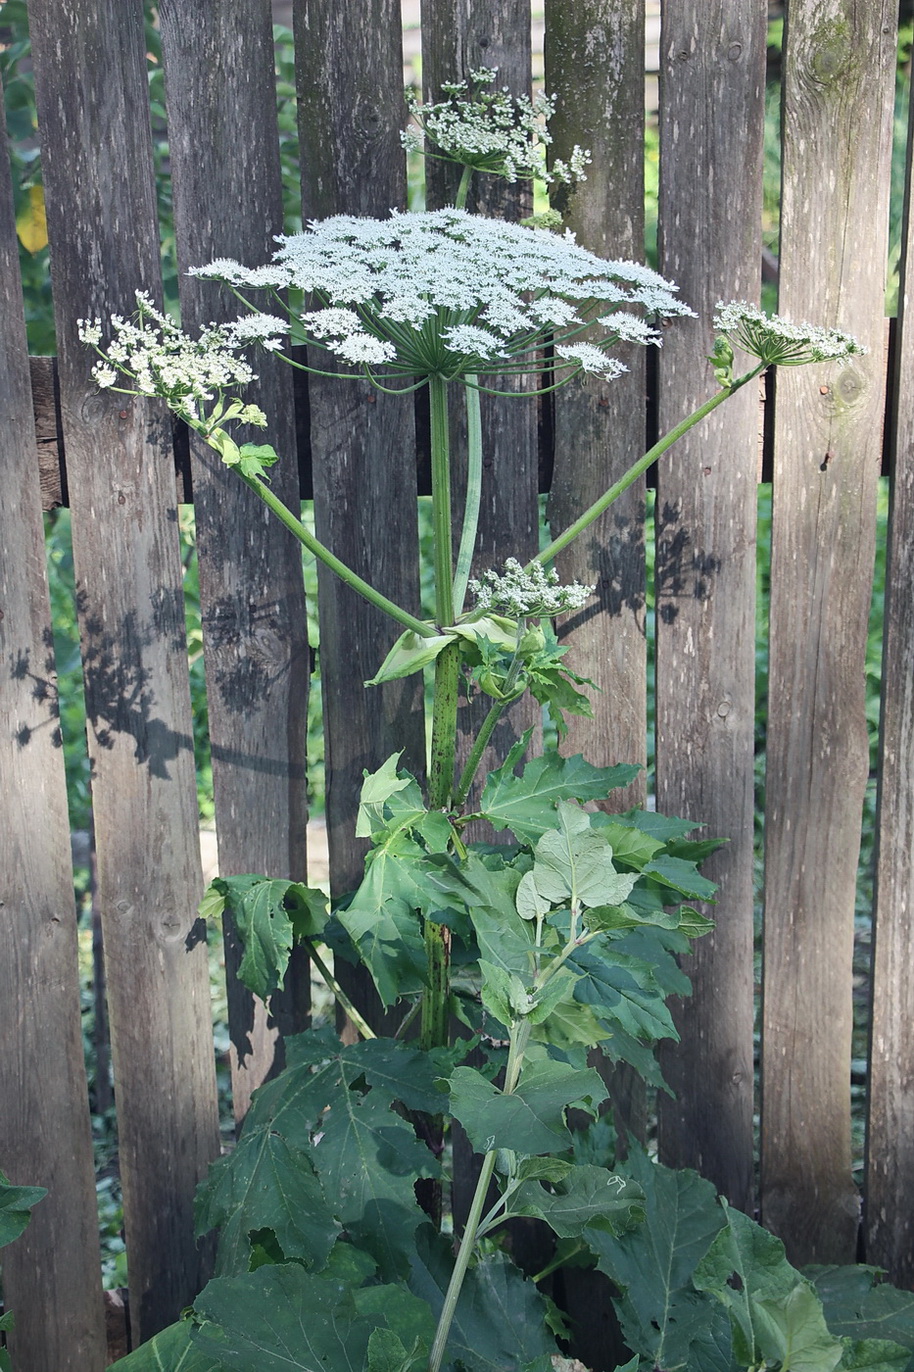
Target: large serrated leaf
[622,991]
[573,862]
[269,916]
[747,1252]
[791,1331]
[383,922]
[334,1102]
[171,1351]
[661,1315]
[859,1305]
[265,1183]
[531,1119]
[281,1319]
[526,804]
[16,1204]
[585,1195]
[500,1322]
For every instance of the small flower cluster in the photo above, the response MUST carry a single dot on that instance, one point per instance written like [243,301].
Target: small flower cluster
[527,594]
[448,293]
[491,131]
[160,359]
[776,342]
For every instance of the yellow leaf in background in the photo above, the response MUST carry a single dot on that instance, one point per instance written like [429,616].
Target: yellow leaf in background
[31,224]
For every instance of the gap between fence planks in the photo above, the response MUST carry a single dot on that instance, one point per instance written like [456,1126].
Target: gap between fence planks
[836,128]
[712,74]
[91,88]
[228,203]
[888,1220]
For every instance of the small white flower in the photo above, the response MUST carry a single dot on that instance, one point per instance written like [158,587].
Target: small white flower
[591,359]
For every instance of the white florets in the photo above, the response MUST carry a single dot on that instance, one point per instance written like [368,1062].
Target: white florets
[492,131]
[527,594]
[159,359]
[442,292]
[775,341]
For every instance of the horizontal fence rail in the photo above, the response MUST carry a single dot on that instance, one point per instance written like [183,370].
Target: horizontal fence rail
[122,468]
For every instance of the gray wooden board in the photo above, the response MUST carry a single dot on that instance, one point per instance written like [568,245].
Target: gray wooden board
[594,58]
[712,76]
[351,112]
[458,38]
[595,70]
[225,171]
[51,1275]
[890,1138]
[838,72]
[90,77]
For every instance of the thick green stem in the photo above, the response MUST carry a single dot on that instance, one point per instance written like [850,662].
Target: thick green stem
[473,496]
[460,199]
[472,763]
[441,501]
[435,1002]
[638,468]
[520,1034]
[351,578]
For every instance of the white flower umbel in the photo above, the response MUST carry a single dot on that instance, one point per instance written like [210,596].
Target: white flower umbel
[455,295]
[491,131]
[527,594]
[152,351]
[776,342]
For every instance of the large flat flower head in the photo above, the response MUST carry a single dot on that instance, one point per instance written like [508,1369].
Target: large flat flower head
[449,294]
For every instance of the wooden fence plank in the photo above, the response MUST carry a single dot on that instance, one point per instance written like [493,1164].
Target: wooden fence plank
[712,108]
[838,73]
[351,111]
[51,1276]
[599,427]
[223,150]
[594,60]
[90,78]
[890,1137]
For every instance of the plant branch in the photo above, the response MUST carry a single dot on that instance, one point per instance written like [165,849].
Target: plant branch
[340,996]
[323,554]
[473,494]
[650,457]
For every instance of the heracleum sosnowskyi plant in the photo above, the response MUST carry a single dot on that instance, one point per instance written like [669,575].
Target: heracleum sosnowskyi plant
[562,940]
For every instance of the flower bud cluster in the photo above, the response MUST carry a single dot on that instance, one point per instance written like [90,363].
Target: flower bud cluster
[777,342]
[532,593]
[491,131]
[160,359]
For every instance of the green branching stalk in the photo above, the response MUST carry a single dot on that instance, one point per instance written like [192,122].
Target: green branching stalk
[323,554]
[638,468]
[473,494]
[520,1035]
[357,1018]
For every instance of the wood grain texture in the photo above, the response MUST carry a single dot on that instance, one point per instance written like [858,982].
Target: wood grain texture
[351,111]
[49,1279]
[90,81]
[836,128]
[712,81]
[595,70]
[458,37]
[889,1220]
[594,67]
[225,170]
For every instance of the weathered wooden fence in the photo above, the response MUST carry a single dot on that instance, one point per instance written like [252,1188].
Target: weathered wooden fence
[838,76]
